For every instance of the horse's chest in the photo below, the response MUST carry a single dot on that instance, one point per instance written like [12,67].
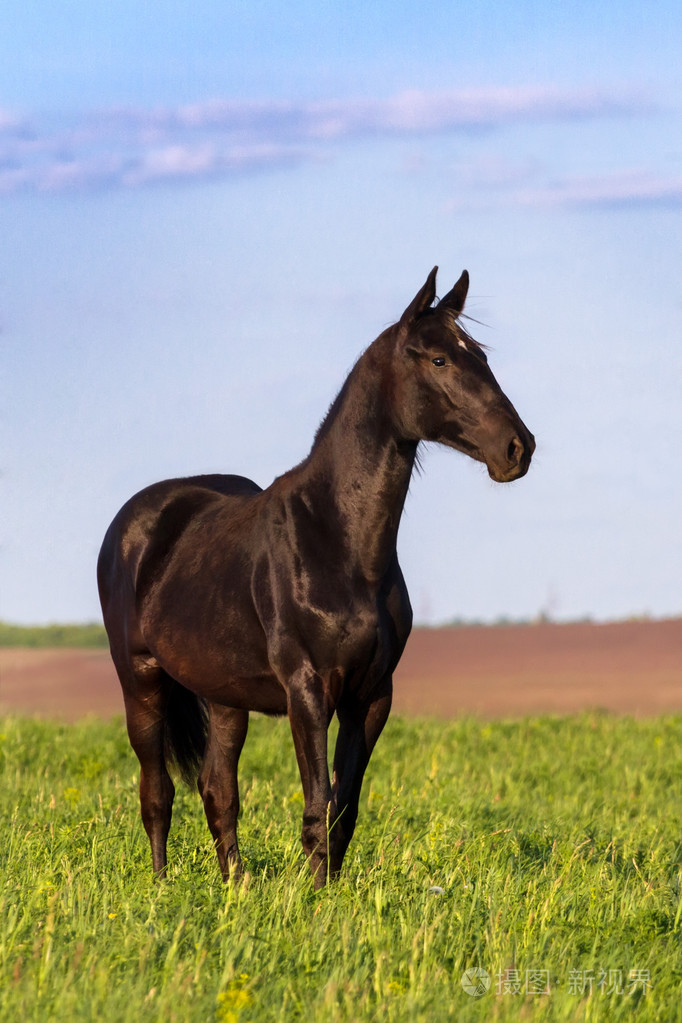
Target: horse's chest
[356,649]
[369,658]
[337,623]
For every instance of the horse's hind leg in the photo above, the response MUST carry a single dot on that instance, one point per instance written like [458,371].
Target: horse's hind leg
[218,782]
[145,691]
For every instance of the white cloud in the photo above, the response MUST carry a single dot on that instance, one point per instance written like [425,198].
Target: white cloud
[172,162]
[626,188]
[495,183]
[132,147]
[177,162]
[409,112]
[9,122]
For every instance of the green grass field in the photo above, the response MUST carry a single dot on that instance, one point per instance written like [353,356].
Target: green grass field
[545,852]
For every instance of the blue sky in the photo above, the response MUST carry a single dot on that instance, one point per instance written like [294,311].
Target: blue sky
[208,211]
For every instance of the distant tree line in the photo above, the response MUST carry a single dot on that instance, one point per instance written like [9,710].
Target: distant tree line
[91,634]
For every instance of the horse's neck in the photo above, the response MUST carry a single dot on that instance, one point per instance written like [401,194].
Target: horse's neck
[359,462]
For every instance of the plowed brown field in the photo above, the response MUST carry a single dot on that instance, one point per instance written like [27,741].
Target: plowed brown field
[628,667]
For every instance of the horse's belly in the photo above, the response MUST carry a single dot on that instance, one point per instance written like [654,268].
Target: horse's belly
[264,695]
[229,678]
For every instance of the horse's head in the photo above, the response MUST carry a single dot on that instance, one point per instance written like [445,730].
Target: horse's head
[446,391]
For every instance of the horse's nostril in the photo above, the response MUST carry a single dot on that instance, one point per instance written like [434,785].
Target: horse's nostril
[515,450]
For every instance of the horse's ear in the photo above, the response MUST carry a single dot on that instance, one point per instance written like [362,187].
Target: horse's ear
[456,298]
[422,300]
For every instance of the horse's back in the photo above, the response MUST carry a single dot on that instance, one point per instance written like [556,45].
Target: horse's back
[229,486]
[154,519]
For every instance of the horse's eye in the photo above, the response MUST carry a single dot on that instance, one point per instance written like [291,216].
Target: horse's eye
[438,361]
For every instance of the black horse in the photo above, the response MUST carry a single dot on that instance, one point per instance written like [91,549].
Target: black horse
[220,598]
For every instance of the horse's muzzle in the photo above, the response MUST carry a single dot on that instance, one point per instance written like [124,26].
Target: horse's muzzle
[516,460]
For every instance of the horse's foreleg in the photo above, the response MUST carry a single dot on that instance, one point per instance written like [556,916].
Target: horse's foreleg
[218,782]
[360,725]
[309,716]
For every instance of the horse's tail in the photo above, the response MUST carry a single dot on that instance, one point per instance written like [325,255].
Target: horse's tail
[186,730]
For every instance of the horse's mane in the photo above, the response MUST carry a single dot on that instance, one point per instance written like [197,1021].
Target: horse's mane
[332,411]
